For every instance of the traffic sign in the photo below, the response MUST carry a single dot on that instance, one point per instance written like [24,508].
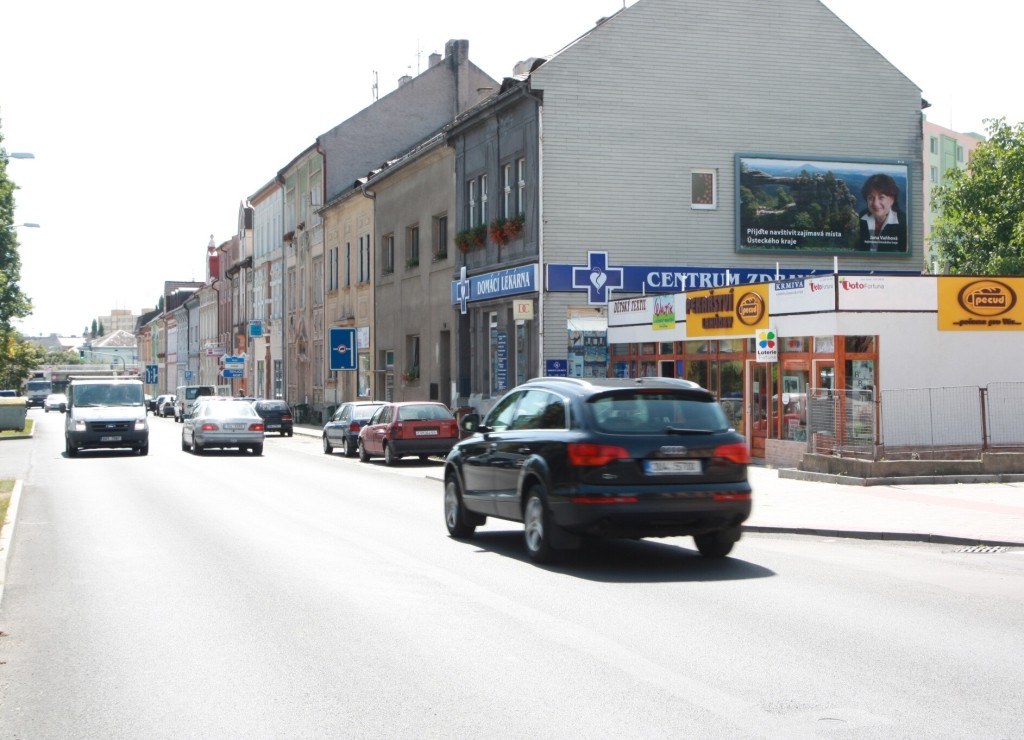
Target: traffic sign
[152,374]
[343,348]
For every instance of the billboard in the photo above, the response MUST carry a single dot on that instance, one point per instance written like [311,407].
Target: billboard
[822,205]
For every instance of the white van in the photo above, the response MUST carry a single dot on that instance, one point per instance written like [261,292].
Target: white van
[186,396]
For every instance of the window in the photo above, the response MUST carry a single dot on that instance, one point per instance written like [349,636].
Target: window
[506,191]
[703,193]
[959,154]
[291,289]
[521,185]
[412,246]
[483,199]
[471,203]
[387,254]
[318,281]
[934,174]
[933,145]
[364,259]
[412,357]
[440,237]
[347,272]
[332,269]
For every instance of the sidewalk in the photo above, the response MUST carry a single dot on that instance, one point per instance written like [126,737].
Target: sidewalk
[950,513]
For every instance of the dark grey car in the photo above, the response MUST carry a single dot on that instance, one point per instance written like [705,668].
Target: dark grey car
[342,431]
[603,457]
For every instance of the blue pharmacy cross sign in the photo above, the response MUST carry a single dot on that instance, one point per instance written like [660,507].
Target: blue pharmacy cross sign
[343,349]
[152,374]
[597,278]
[463,290]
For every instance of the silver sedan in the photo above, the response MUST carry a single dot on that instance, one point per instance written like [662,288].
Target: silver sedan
[222,423]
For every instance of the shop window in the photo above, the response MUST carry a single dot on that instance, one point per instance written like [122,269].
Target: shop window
[824,345]
[587,335]
[667,348]
[699,347]
[730,346]
[860,344]
[648,348]
[793,344]
[620,349]
[648,369]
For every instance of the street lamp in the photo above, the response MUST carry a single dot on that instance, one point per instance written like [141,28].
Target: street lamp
[21,155]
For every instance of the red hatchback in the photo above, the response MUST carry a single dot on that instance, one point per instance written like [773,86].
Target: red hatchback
[422,428]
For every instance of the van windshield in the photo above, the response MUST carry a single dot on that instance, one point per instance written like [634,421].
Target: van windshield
[191,394]
[108,395]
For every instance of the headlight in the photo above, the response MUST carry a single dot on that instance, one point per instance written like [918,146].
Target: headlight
[79,425]
[140,425]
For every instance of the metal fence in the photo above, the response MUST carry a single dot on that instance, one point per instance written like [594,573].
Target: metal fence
[917,423]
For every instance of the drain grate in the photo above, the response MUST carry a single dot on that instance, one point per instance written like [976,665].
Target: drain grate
[988,550]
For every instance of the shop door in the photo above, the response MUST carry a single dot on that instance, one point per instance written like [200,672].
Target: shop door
[759,406]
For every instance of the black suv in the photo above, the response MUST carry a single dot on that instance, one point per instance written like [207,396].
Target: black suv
[610,457]
[277,416]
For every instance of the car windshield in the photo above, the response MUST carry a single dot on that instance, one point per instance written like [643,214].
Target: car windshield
[656,413]
[423,412]
[226,409]
[364,412]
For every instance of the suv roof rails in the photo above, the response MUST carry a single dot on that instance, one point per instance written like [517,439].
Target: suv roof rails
[657,382]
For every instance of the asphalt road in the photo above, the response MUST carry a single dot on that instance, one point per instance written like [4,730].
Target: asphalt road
[305,596]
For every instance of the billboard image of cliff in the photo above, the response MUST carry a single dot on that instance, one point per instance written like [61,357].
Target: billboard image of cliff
[822,205]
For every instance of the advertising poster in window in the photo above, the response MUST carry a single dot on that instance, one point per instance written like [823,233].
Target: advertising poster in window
[822,205]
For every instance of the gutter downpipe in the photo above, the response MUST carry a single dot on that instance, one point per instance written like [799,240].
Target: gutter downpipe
[372,196]
[540,233]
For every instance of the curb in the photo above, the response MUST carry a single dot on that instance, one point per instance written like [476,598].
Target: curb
[935,539]
[846,480]
[7,534]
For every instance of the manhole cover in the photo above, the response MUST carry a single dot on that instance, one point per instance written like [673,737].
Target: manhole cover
[981,548]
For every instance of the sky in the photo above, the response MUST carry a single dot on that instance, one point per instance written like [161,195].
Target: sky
[150,123]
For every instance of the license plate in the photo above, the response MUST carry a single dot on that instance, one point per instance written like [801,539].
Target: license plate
[234,426]
[426,432]
[270,426]
[110,439]
[672,467]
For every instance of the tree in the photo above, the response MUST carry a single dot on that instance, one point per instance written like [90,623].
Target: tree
[980,230]
[14,304]
[18,360]
[95,329]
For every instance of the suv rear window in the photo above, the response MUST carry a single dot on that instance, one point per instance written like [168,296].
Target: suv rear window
[653,412]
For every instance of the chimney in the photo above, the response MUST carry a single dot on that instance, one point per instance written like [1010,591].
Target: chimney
[434,60]
[404,79]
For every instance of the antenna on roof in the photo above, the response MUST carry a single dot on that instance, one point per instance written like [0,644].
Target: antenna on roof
[373,87]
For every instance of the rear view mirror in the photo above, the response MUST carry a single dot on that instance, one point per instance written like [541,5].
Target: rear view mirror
[469,422]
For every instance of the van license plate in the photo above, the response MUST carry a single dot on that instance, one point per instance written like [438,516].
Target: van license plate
[110,439]
[672,467]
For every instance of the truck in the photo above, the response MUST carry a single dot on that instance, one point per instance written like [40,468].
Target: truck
[36,391]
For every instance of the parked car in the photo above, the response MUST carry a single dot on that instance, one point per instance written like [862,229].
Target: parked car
[342,430]
[222,423]
[55,402]
[150,403]
[165,405]
[277,415]
[422,428]
[612,457]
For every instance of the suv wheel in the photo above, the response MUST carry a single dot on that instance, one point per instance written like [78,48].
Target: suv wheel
[453,512]
[537,527]
[716,544]
[69,448]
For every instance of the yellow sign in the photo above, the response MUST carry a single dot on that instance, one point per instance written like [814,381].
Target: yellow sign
[981,303]
[739,310]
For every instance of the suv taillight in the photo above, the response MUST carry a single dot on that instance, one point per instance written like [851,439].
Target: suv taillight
[737,452]
[591,455]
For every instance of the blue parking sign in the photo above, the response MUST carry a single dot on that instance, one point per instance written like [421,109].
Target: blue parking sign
[343,349]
